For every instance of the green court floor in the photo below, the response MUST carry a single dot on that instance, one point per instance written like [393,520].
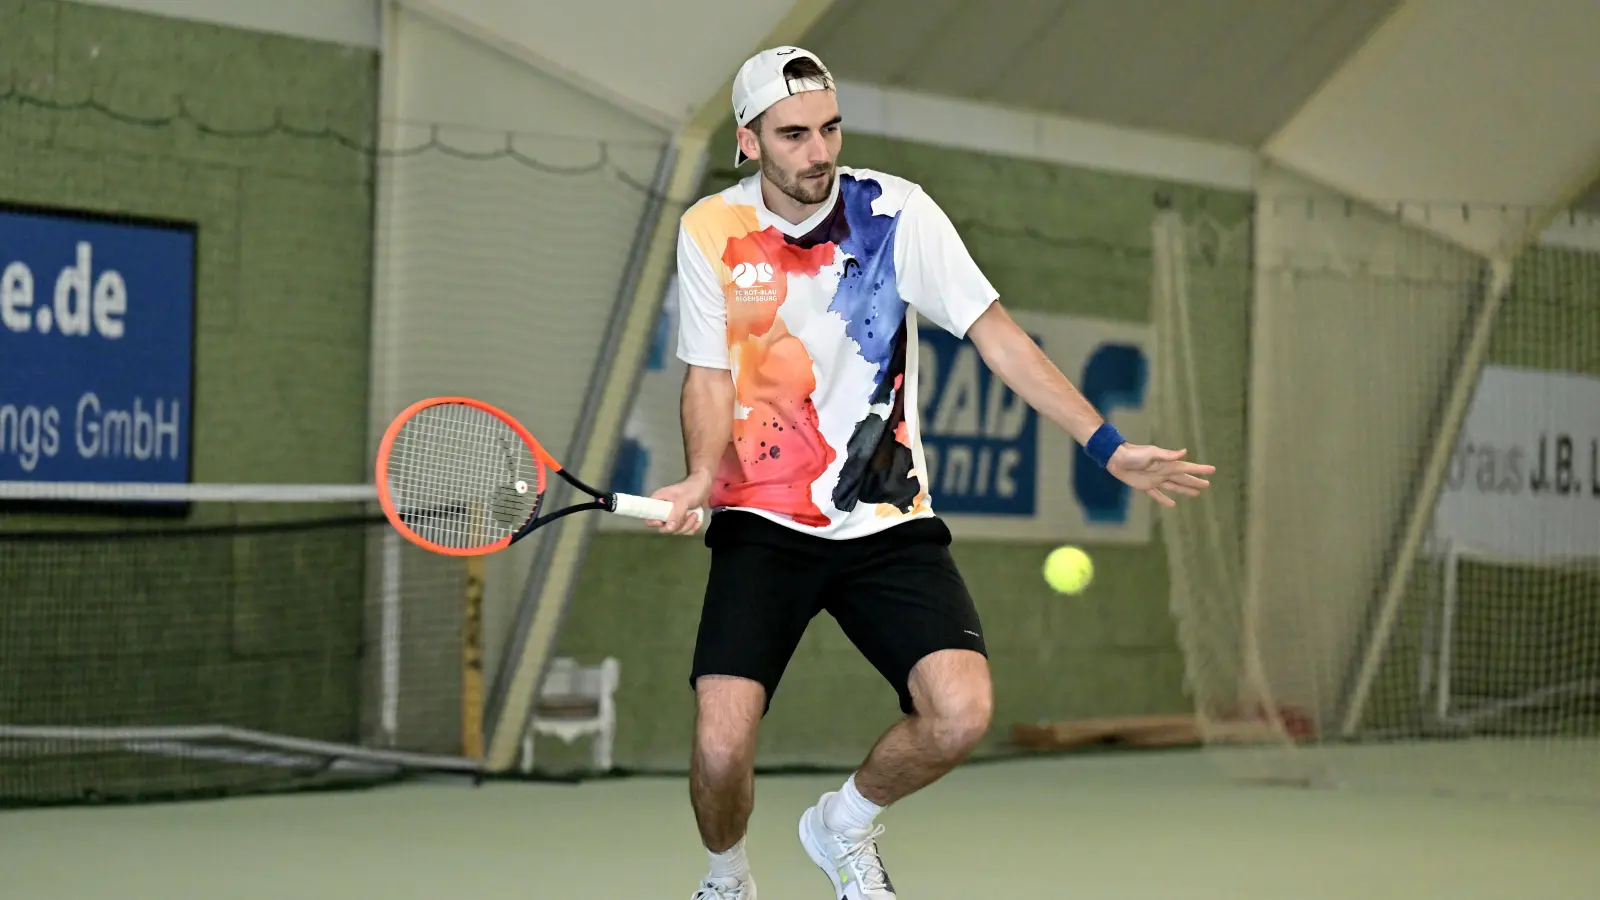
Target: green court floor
[1125,827]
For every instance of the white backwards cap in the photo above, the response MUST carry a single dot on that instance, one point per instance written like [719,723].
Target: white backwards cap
[761,83]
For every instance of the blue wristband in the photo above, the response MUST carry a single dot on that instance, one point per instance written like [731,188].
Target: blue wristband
[1104,442]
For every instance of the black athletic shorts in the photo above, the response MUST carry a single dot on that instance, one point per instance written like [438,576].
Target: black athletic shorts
[896,595]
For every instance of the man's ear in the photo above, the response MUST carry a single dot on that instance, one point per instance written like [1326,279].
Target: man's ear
[748,142]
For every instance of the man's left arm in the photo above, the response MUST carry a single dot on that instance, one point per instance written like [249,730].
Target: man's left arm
[1011,353]
[940,279]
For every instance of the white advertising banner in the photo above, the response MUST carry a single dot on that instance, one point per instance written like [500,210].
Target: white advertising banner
[999,470]
[1525,479]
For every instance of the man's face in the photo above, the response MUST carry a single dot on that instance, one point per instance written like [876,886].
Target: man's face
[798,145]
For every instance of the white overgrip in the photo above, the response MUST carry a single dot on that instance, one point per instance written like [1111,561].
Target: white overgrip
[637,507]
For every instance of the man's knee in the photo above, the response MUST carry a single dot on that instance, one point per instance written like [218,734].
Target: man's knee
[728,716]
[952,692]
[963,722]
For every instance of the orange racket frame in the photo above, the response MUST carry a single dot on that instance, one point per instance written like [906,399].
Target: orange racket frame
[630,505]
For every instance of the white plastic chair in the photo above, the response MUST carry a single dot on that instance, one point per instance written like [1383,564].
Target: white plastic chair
[576,701]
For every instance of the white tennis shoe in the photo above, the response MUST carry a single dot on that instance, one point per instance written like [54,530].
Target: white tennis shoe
[849,858]
[726,889]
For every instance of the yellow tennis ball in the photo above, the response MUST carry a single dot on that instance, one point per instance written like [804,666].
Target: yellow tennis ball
[1068,570]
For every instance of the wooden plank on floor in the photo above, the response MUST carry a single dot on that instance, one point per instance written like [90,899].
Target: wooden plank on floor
[1128,731]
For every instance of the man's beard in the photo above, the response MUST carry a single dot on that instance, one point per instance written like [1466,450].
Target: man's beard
[794,185]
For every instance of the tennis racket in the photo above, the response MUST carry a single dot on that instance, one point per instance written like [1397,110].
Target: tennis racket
[459,477]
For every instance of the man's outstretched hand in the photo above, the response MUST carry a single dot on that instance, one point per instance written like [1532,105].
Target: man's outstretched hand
[1155,471]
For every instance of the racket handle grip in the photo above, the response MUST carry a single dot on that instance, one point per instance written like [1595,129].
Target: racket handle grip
[636,507]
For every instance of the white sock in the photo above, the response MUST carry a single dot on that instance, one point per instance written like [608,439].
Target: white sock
[848,810]
[730,863]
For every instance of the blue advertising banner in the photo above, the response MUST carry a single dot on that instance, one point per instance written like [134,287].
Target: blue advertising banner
[981,441]
[96,347]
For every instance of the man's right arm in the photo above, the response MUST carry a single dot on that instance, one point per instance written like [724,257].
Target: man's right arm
[707,421]
[708,394]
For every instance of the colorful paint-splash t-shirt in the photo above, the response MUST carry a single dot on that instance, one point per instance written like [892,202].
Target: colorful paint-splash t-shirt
[816,324]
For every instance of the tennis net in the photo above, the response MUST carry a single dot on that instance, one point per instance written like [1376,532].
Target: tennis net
[174,641]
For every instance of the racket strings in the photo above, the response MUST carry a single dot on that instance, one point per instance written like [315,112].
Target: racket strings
[461,477]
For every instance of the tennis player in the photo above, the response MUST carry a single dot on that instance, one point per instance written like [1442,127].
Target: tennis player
[798,289]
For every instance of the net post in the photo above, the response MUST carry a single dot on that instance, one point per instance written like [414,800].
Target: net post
[472,661]
[385,366]
[1447,632]
[389,637]
[1421,515]
[472,731]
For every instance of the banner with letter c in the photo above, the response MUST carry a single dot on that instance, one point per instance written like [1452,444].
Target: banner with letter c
[96,347]
[1000,471]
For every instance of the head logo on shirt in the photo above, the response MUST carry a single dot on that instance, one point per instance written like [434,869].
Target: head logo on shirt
[752,283]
